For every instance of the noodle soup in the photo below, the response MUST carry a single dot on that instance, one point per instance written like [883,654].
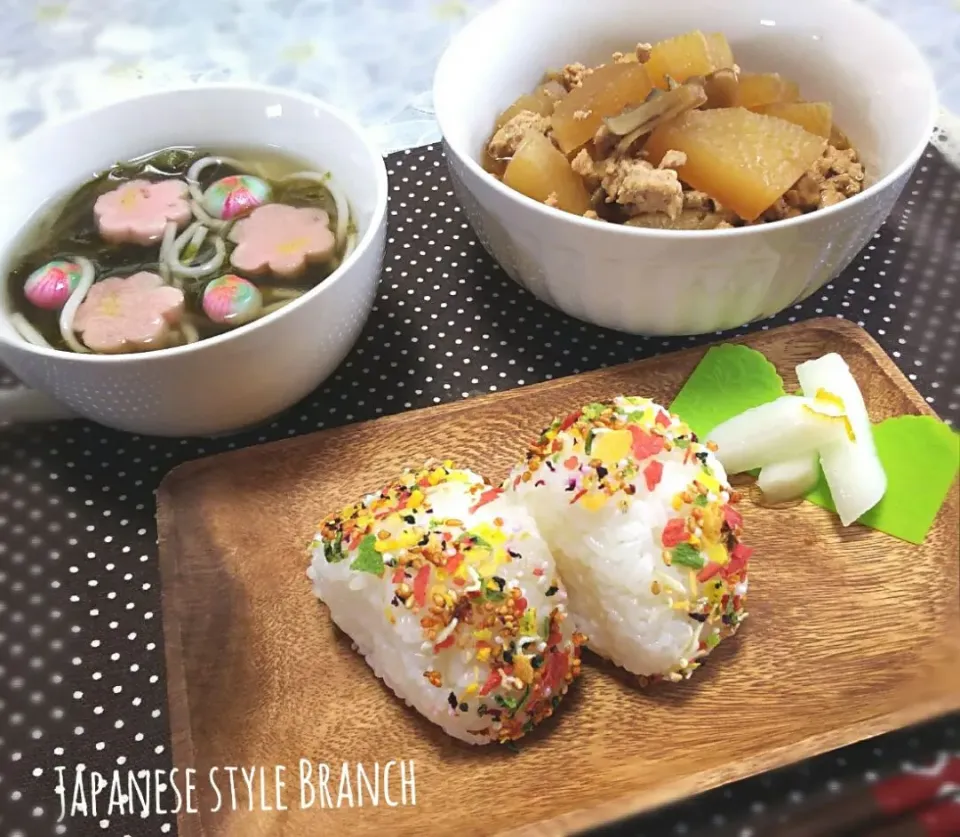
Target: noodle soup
[175,247]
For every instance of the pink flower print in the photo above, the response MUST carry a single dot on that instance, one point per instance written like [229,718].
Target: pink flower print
[282,240]
[130,314]
[137,211]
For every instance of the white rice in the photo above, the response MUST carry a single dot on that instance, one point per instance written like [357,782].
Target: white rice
[470,687]
[605,527]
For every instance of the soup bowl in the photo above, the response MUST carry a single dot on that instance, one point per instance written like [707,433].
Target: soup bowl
[669,282]
[233,380]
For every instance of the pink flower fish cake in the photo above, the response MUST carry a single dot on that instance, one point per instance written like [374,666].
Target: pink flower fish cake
[132,314]
[138,212]
[282,240]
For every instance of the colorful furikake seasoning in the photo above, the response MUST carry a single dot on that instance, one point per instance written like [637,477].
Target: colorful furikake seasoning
[631,459]
[450,561]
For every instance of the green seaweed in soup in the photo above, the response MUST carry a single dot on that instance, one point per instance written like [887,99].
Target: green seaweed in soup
[71,234]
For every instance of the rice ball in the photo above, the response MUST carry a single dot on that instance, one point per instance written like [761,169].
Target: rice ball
[445,586]
[641,522]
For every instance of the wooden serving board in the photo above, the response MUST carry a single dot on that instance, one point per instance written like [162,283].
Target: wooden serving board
[851,633]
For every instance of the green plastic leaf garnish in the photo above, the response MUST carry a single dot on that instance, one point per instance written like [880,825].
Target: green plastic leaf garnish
[728,381]
[687,556]
[368,560]
[920,455]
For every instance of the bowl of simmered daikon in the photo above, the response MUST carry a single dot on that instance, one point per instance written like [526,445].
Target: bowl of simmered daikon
[680,168]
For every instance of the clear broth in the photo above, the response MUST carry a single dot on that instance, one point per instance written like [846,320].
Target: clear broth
[67,228]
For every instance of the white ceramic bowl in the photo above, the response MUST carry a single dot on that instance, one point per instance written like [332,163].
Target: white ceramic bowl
[672,282]
[234,380]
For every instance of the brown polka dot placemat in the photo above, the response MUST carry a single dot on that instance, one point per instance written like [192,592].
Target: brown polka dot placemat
[81,642]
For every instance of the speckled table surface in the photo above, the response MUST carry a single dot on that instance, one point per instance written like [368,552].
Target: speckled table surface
[374,59]
[82,667]
[82,677]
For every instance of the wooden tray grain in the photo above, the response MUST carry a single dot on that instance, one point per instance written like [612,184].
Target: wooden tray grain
[851,633]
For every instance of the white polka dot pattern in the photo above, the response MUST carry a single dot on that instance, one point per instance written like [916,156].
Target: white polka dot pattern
[81,644]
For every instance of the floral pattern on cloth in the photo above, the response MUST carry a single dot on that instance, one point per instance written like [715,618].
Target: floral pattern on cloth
[282,240]
[137,212]
[128,314]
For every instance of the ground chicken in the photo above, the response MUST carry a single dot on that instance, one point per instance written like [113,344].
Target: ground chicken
[572,75]
[673,160]
[591,172]
[625,58]
[701,202]
[698,200]
[689,219]
[842,175]
[805,194]
[836,176]
[640,188]
[830,197]
[781,211]
[643,52]
[506,141]
[552,200]
[836,162]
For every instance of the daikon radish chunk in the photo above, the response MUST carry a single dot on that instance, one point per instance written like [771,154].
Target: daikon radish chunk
[783,429]
[851,466]
[606,91]
[815,117]
[688,55]
[744,160]
[542,102]
[720,51]
[527,101]
[765,88]
[790,479]
[538,171]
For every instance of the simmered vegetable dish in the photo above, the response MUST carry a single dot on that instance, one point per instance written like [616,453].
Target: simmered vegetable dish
[674,136]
